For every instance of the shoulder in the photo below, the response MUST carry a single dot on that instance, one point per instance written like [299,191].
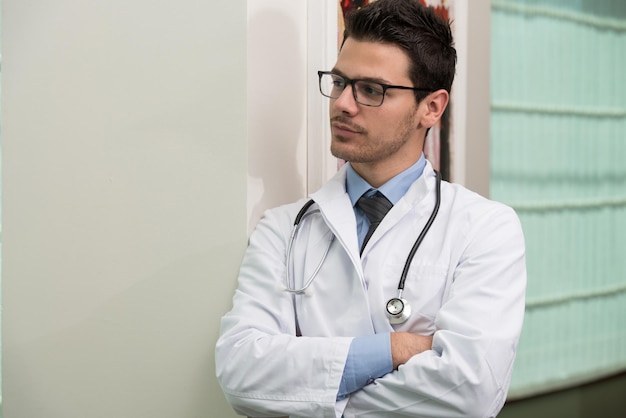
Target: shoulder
[469,203]
[281,218]
[283,215]
[477,215]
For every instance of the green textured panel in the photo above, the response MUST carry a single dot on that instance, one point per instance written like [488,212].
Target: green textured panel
[558,156]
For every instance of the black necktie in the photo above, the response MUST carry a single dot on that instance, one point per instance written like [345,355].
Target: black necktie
[375,207]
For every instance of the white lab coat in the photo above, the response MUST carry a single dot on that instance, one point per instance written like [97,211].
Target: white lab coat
[283,354]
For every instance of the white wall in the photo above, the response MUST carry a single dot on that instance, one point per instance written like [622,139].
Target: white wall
[121,122]
[277,104]
[470,95]
[288,129]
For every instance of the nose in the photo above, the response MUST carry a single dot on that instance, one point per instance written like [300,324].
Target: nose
[346,103]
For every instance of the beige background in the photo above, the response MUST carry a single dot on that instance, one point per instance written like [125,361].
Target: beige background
[122,121]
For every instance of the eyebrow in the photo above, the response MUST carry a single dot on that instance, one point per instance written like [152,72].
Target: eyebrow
[372,79]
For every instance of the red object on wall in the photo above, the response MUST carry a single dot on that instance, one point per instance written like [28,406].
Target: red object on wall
[349,5]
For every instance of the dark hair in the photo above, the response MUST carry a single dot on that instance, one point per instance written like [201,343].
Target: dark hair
[417,29]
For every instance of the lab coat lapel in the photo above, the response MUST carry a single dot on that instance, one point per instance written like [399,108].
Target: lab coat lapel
[334,203]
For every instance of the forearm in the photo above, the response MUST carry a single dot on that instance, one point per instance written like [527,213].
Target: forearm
[274,375]
[369,358]
[263,367]
[459,383]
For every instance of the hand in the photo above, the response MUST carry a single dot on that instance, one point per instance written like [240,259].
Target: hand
[405,345]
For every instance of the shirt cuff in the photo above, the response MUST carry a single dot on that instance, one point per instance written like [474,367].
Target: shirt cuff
[369,358]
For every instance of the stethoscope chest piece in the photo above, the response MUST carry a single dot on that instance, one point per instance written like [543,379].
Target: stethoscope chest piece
[398,310]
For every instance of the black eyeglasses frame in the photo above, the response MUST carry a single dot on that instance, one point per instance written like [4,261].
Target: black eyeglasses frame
[351,82]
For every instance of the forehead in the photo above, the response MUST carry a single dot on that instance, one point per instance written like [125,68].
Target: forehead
[364,59]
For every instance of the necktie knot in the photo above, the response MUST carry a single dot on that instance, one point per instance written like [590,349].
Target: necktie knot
[375,206]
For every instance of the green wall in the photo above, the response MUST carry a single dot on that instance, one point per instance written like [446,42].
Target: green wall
[558,156]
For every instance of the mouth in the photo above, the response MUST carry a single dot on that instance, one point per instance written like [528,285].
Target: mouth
[341,128]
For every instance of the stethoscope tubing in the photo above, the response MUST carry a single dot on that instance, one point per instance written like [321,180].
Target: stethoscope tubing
[420,238]
[301,215]
[304,212]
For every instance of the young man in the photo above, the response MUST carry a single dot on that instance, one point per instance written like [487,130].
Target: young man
[319,327]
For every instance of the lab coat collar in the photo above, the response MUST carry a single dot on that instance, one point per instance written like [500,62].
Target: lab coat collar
[335,205]
[336,208]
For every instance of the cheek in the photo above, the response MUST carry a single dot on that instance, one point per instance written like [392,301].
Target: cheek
[402,112]
[401,123]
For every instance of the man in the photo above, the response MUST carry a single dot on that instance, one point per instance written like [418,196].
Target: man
[317,327]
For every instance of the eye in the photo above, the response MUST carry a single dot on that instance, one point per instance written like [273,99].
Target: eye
[338,82]
[370,89]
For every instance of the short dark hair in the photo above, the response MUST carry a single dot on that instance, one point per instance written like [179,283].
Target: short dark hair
[425,36]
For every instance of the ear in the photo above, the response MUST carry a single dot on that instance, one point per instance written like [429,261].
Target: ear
[434,105]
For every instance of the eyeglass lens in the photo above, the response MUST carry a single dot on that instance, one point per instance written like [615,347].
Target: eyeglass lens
[366,92]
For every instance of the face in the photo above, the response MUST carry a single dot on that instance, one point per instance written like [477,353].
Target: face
[388,137]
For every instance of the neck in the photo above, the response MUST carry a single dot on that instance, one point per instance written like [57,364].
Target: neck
[378,173]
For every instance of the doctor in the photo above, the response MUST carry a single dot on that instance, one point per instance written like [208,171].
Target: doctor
[335,320]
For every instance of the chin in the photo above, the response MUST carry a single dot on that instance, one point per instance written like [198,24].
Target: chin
[339,153]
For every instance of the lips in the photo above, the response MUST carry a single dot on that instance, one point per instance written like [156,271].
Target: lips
[340,129]
[343,128]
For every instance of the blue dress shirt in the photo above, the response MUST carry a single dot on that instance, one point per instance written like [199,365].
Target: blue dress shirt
[369,357]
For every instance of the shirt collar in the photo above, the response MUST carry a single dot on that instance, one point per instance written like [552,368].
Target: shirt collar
[393,190]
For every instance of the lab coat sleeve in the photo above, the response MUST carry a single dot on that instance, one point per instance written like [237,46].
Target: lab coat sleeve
[264,369]
[468,370]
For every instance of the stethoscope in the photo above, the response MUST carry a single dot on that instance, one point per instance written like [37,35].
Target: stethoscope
[398,309]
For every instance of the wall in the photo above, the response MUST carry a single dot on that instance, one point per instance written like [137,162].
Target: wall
[558,117]
[277,104]
[122,123]
[470,95]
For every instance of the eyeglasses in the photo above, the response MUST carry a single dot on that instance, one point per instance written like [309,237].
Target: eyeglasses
[365,92]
